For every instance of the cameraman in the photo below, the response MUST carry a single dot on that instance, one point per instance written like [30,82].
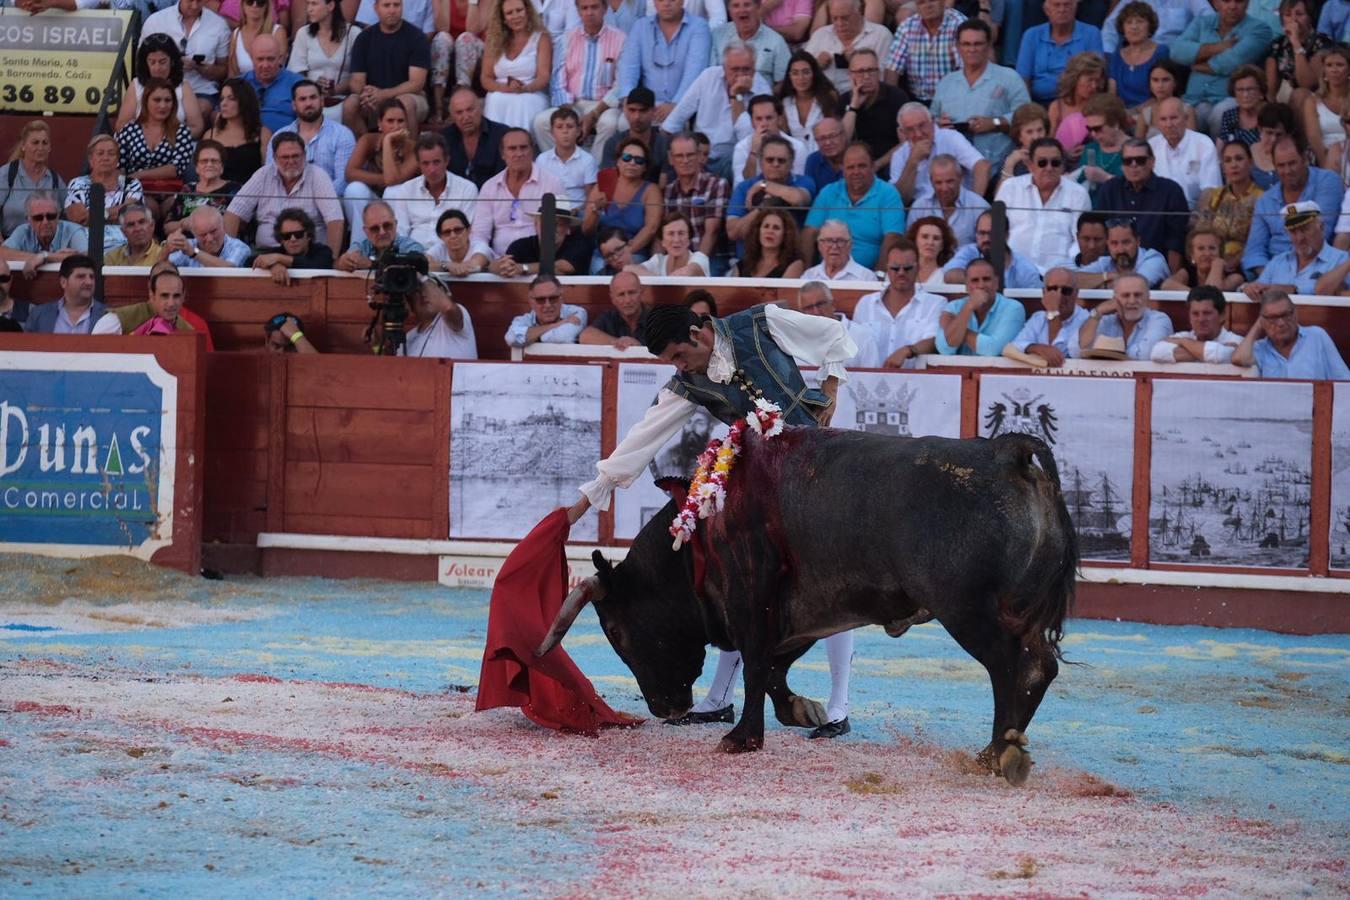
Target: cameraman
[381,235]
[285,334]
[443,327]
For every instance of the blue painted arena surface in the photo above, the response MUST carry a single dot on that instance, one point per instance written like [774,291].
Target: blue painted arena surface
[162,735]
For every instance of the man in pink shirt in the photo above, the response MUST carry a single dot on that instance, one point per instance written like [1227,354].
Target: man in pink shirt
[508,198]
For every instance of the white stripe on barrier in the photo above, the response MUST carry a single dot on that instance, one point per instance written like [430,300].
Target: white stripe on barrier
[498,550]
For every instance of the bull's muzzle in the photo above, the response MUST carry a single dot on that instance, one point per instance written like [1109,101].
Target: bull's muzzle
[571,608]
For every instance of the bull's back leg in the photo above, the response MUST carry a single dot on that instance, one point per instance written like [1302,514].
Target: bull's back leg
[1019,677]
[791,709]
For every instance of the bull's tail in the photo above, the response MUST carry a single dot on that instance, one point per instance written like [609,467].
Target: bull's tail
[1045,600]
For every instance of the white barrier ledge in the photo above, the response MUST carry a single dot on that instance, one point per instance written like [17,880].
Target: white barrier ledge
[498,550]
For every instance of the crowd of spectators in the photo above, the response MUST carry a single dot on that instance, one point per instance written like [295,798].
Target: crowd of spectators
[1170,144]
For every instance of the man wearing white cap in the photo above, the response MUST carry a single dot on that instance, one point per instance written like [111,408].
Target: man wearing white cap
[1300,269]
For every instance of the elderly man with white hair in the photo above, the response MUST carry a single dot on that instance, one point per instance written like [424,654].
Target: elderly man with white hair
[209,245]
[948,199]
[921,142]
[1187,157]
[836,256]
[848,31]
[716,99]
[816,299]
[1127,319]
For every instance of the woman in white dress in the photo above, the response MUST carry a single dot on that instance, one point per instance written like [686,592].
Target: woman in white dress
[517,64]
[1323,109]
[256,18]
[807,97]
[323,51]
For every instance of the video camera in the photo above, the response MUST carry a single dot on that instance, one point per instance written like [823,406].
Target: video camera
[398,278]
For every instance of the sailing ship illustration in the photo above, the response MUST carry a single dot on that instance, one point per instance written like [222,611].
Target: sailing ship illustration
[1196,512]
[1095,514]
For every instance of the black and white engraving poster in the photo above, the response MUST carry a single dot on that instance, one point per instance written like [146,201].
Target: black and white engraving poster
[1089,425]
[1340,476]
[1231,473]
[522,439]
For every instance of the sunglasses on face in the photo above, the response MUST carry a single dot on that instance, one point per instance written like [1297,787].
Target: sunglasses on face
[1134,160]
[634,159]
[902,268]
[1061,288]
[548,300]
[1055,163]
[1095,129]
[292,235]
[44,217]
[454,229]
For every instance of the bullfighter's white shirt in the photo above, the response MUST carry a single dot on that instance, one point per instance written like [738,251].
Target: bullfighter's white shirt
[816,339]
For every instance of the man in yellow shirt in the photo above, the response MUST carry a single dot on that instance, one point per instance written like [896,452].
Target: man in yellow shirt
[141,248]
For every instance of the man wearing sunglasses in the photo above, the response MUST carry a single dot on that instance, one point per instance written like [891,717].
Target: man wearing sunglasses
[905,320]
[549,320]
[45,237]
[1282,348]
[1052,331]
[1043,206]
[1157,204]
[10,307]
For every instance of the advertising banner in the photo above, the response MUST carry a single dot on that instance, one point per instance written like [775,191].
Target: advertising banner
[87,444]
[523,438]
[1231,473]
[58,61]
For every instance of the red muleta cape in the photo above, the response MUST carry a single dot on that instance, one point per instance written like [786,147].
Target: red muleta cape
[526,598]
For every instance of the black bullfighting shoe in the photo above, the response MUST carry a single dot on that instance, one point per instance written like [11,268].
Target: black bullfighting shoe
[832,729]
[725,714]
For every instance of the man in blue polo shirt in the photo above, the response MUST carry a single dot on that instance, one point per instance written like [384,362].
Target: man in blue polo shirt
[774,181]
[1046,49]
[1304,267]
[1214,45]
[271,82]
[1281,348]
[1297,182]
[981,323]
[871,208]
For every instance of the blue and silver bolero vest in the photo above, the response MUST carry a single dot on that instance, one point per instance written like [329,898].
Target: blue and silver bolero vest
[760,369]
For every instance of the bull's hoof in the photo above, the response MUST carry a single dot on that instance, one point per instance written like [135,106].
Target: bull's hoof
[1014,763]
[734,743]
[807,713]
[900,626]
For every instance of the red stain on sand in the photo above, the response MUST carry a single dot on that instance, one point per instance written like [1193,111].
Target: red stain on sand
[41,709]
[255,679]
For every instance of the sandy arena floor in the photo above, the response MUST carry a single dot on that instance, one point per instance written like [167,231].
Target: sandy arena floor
[302,737]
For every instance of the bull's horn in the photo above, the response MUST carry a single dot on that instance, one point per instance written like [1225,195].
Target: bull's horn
[571,607]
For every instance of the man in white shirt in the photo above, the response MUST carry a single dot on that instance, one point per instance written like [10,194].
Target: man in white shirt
[922,142]
[766,112]
[816,299]
[443,327]
[835,244]
[203,36]
[1187,157]
[711,373]
[419,202]
[1207,341]
[848,31]
[904,320]
[1043,206]
[716,100]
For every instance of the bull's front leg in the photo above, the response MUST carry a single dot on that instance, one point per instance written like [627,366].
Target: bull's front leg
[792,710]
[748,735]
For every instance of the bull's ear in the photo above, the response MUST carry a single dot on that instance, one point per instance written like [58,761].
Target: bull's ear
[677,488]
[603,567]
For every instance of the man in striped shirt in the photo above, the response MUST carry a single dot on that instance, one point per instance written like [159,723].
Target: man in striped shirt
[590,56]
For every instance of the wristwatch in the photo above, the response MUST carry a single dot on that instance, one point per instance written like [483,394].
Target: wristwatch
[195,251]
[1094,313]
[998,123]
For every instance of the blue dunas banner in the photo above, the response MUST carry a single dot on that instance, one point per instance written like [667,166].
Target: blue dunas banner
[86,453]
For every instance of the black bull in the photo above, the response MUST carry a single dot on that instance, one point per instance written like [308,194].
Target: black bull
[827,530]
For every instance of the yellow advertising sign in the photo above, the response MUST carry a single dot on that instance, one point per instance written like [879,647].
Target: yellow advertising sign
[56,61]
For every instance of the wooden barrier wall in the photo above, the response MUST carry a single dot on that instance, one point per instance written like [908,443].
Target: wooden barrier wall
[335,313]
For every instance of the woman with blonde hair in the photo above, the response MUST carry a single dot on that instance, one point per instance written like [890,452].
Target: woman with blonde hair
[1083,78]
[28,171]
[1204,264]
[118,190]
[517,65]
[157,148]
[255,18]
[1323,109]
[771,246]
[1108,126]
